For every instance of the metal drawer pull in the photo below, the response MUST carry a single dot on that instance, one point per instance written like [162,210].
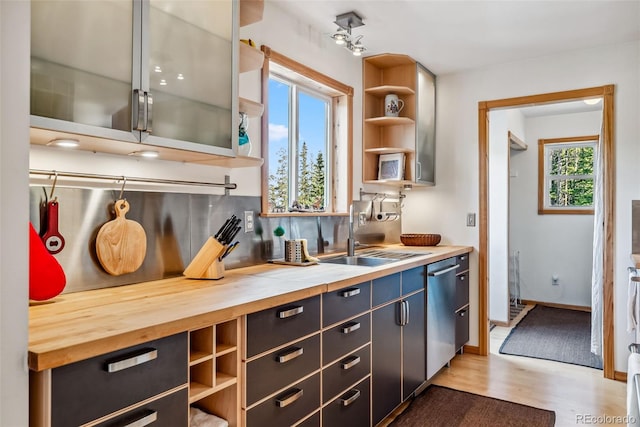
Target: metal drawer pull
[350,400]
[144,421]
[350,292]
[290,398]
[443,271]
[137,110]
[462,277]
[291,312]
[285,357]
[353,327]
[350,364]
[462,257]
[132,361]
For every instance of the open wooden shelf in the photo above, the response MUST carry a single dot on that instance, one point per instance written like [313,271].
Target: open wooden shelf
[250,58]
[516,143]
[251,11]
[389,150]
[389,121]
[251,108]
[234,162]
[382,91]
[214,369]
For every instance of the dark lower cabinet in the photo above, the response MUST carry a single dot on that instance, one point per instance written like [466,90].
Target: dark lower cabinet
[349,409]
[386,364]
[414,353]
[462,328]
[169,411]
[288,407]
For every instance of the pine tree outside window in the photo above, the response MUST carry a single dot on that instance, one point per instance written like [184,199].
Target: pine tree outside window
[566,175]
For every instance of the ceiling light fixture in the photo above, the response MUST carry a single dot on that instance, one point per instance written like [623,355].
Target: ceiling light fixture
[343,37]
[64,142]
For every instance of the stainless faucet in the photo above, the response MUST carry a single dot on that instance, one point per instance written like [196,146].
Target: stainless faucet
[351,242]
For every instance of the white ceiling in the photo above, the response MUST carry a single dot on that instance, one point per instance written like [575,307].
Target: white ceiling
[449,36]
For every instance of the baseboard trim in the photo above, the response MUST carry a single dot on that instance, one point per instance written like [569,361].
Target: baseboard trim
[471,349]
[620,376]
[556,305]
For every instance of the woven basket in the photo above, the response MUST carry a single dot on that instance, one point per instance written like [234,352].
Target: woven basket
[420,239]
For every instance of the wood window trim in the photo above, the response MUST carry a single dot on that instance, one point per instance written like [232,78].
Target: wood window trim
[272,56]
[608,156]
[542,209]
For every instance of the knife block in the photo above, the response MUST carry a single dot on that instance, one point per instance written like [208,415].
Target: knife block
[206,265]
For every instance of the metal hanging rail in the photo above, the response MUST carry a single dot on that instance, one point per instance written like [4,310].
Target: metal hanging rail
[117,178]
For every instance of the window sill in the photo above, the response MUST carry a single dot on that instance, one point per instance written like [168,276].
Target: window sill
[301,214]
[565,211]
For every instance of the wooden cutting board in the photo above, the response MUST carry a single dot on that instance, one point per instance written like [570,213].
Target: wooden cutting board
[121,244]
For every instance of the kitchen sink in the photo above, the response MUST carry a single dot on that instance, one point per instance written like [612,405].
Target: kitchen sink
[372,257]
[358,260]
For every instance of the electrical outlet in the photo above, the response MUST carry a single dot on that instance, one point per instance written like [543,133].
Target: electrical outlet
[248,221]
[471,220]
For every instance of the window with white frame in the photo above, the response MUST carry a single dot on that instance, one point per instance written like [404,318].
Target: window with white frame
[308,147]
[566,175]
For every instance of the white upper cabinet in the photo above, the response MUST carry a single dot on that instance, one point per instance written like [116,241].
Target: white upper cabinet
[158,72]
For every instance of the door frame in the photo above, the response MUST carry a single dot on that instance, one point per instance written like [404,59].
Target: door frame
[606,92]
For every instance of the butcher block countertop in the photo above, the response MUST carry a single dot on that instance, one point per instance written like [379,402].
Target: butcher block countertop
[77,326]
[635,258]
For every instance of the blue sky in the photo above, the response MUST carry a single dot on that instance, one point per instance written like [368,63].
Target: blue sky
[311,123]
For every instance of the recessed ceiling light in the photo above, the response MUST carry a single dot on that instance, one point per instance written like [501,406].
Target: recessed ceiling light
[150,154]
[157,69]
[163,82]
[592,101]
[64,142]
[180,76]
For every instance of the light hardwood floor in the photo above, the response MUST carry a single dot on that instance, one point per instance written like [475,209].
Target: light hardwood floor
[571,391]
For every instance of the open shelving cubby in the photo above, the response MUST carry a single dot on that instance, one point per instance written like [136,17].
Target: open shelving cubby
[214,370]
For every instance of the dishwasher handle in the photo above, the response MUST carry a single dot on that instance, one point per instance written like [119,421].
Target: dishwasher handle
[443,271]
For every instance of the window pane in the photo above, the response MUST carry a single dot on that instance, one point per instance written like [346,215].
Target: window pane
[571,161]
[278,145]
[312,151]
[571,192]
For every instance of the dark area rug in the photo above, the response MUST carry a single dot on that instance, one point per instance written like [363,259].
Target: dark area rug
[553,334]
[444,407]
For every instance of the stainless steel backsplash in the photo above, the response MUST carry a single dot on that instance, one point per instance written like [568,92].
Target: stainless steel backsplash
[176,226]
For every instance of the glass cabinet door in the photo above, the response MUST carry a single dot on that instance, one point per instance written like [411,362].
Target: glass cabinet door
[81,66]
[189,47]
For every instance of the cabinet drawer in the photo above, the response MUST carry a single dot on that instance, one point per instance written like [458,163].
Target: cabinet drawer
[86,390]
[462,290]
[462,328]
[344,303]
[344,372]
[463,261]
[169,411]
[279,368]
[413,280]
[312,421]
[345,337]
[385,289]
[349,409]
[276,326]
[287,407]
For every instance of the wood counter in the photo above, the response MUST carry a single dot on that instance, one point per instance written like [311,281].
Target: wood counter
[635,258]
[77,326]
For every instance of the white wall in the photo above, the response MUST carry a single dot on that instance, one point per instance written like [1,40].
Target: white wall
[499,220]
[14,247]
[550,244]
[442,209]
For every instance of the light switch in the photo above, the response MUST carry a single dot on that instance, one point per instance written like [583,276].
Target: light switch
[471,220]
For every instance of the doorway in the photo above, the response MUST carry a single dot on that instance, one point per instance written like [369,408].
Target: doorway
[484,107]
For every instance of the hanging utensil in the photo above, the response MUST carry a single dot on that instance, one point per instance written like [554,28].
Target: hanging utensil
[53,240]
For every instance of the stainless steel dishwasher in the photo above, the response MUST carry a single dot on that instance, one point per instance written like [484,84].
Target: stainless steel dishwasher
[441,317]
